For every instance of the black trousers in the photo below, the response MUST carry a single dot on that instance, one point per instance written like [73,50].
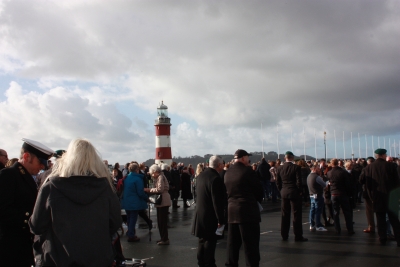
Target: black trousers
[381,223]
[289,205]
[344,203]
[206,252]
[143,214]
[162,222]
[249,235]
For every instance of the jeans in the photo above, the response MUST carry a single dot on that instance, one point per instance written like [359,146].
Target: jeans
[316,211]
[343,202]
[131,217]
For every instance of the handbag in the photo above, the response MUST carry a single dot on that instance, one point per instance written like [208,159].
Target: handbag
[156,199]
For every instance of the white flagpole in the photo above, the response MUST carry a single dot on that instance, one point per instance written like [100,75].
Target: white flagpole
[366,146]
[351,142]
[277,139]
[315,139]
[304,137]
[334,134]
[359,146]
[390,148]
[291,138]
[326,147]
[262,141]
[344,148]
[372,145]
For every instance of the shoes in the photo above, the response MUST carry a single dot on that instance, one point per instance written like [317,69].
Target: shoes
[312,229]
[351,233]
[186,206]
[175,207]
[327,224]
[368,231]
[133,239]
[150,225]
[321,229]
[391,237]
[302,239]
[163,243]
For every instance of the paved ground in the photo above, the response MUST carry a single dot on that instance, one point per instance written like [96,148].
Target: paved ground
[322,249]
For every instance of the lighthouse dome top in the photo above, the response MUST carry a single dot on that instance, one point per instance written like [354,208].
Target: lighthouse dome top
[162,106]
[162,110]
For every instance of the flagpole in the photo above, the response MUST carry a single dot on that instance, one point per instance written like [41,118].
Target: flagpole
[379,143]
[277,139]
[334,134]
[359,146]
[351,142]
[291,138]
[344,148]
[315,139]
[304,137]
[372,145]
[390,148]
[366,146]
[262,141]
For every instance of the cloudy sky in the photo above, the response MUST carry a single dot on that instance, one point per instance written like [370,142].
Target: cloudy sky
[99,69]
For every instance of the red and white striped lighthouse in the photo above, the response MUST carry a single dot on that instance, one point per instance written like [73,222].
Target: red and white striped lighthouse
[163,141]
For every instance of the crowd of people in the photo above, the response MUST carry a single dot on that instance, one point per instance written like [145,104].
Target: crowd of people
[45,206]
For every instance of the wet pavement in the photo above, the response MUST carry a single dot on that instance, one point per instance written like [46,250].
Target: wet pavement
[322,249]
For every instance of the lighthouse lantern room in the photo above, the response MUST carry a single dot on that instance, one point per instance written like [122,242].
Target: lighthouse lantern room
[163,140]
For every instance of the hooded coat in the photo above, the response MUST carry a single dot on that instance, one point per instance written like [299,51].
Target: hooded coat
[76,217]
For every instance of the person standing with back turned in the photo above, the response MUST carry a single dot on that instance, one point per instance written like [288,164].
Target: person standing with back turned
[244,191]
[288,179]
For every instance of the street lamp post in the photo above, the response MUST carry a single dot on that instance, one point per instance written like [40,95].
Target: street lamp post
[325,144]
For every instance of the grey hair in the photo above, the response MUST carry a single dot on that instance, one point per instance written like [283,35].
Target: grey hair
[214,161]
[154,168]
[164,167]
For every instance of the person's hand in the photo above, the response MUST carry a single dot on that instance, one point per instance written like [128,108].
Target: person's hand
[147,190]
[219,225]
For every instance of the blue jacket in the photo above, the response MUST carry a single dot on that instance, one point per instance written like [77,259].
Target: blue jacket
[134,197]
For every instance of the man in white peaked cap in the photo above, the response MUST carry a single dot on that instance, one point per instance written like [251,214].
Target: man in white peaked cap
[18,192]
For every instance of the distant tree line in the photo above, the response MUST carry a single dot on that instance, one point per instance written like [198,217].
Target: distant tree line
[256,157]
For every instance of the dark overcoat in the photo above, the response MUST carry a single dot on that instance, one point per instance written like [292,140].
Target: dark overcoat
[288,180]
[186,186]
[210,204]
[244,191]
[18,193]
[380,178]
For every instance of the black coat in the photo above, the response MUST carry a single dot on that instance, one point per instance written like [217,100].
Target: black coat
[186,186]
[244,190]
[340,182]
[380,178]
[210,204]
[263,171]
[18,193]
[288,180]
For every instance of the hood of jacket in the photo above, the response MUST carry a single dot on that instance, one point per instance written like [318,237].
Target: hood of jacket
[80,189]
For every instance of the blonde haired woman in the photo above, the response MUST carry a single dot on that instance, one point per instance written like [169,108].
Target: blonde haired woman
[161,187]
[77,210]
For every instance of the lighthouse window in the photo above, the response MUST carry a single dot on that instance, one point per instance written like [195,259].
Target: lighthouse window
[159,154]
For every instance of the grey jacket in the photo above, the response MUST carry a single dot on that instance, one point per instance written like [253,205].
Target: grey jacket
[75,218]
